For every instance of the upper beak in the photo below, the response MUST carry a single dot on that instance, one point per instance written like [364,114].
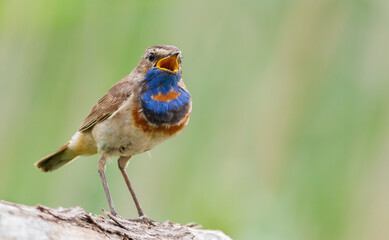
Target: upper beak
[169,63]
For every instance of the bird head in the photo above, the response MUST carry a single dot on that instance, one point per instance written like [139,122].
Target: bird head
[163,57]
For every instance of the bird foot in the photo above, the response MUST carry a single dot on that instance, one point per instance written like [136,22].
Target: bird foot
[143,219]
[113,215]
[117,218]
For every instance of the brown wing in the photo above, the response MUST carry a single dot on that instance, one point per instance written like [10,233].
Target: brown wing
[108,104]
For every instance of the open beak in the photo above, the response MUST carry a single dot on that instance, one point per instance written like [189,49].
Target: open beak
[169,63]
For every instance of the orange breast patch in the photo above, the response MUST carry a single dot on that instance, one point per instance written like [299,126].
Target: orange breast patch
[142,123]
[168,97]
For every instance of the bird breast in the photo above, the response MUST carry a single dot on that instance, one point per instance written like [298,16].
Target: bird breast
[128,131]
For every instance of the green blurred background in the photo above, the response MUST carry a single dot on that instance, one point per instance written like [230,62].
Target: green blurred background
[289,135]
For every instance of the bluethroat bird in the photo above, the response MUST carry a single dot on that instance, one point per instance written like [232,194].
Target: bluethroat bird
[145,108]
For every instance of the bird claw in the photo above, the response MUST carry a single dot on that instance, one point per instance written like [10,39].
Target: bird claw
[117,218]
[143,219]
[113,215]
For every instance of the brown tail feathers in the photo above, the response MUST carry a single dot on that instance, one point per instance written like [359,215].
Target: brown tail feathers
[57,159]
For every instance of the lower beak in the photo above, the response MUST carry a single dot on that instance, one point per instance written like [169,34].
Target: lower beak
[169,63]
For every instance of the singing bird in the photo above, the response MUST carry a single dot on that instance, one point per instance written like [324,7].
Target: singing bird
[145,108]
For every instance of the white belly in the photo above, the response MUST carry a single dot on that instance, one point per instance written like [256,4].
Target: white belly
[118,135]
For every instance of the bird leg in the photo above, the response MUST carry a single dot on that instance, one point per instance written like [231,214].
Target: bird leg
[101,167]
[123,162]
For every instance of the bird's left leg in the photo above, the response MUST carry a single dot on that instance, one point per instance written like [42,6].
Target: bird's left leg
[101,167]
[123,163]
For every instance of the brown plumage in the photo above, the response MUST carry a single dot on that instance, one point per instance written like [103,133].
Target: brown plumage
[108,104]
[57,159]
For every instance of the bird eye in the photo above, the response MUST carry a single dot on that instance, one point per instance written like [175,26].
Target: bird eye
[151,57]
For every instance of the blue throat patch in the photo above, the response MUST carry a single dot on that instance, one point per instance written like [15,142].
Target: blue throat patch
[161,82]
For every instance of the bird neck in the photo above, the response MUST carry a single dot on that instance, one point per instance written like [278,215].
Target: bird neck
[159,81]
[162,93]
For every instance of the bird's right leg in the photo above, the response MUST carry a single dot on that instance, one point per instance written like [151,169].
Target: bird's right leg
[123,163]
[101,168]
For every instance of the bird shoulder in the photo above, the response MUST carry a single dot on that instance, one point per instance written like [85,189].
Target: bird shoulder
[108,104]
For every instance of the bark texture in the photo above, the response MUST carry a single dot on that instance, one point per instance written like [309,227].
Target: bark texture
[33,223]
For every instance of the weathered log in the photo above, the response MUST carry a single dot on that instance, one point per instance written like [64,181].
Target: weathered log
[25,222]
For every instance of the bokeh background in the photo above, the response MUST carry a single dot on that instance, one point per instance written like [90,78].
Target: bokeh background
[289,136]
